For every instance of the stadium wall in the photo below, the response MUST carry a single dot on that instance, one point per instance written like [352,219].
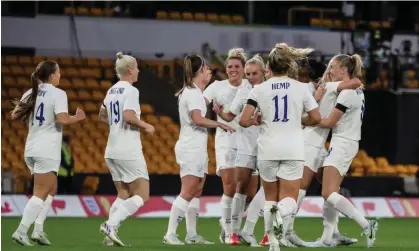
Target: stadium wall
[102,37]
[98,206]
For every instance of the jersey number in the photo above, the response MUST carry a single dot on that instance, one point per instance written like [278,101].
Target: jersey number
[115,111]
[39,115]
[276,104]
[362,109]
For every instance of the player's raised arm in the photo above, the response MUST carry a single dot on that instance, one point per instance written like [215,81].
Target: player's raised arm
[342,104]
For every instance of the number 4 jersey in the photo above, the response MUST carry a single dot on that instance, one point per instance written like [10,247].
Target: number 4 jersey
[124,142]
[45,135]
[282,101]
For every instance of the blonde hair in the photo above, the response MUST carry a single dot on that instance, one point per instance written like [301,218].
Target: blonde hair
[353,63]
[237,53]
[123,62]
[282,59]
[258,60]
[191,66]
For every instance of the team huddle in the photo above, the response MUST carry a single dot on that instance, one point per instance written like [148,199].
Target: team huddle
[268,125]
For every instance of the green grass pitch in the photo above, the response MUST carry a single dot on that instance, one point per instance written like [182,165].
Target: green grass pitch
[78,234]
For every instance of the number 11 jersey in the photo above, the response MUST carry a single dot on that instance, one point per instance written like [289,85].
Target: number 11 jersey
[124,142]
[282,102]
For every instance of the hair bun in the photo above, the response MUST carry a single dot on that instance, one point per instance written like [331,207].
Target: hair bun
[119,55]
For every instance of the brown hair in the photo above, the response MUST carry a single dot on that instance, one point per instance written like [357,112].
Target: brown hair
[282,59]
[191,66]
[43,72]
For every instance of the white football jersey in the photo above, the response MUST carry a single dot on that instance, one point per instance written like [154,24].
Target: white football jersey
[349,125]
[124,142]
[223,93]
[282,102]
[192,138]
[317,136]
[311,88]
[45,134]
[246,137]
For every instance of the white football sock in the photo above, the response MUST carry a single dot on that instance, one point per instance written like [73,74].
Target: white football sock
[301,195]
[177,213]
[269,218]
[329,221]
[226,213]
[126,209]
[286,207]
[345,207]
[39,222]
[118,201]
[237,209]
[254,211]
[191,216]
[30,213]
[336,229]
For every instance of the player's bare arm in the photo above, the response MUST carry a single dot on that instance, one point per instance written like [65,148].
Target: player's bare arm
[227,116]
[247,119]
[65,119]
[208,123]
[333,118]
[103,115]
[349,84]
[313,118]
[131,118]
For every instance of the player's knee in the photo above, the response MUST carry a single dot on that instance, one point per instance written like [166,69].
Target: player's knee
[326,193]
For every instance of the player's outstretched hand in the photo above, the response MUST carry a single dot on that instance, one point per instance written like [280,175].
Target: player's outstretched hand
[80,115]
[217,108]
[150,129]
[320,92]
[257,118]
[226,127]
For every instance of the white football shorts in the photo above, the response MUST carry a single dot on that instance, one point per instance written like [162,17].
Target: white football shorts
[42,165]
[341,153]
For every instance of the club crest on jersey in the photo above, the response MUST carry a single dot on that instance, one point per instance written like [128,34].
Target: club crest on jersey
[277,86]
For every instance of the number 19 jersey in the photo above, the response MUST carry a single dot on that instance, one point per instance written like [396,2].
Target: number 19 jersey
[282,101]
[124,141]
[45,134]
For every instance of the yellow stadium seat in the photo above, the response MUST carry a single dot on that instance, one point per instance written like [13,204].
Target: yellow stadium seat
[108,12]
[327,23]
[15,93]
[226,19]
[199,16]
[72,72]
[187,16]
[9,81]
[106,62]
[65,84]
[17,70]
[315,22]
[174,15]
[25,60]
[78,62]
[82,11]
[238,19]
[69,11]
[97,95]
[6,104]
[161,14]
[96,12]
[83,95]
[165,120]
[382,162]
[386,24]
[146,109]
[71,94]
[11,59]
[337,24]
[94,62]
[29,70]
[151,119]
[375,24]
[110,74]
[24,83]
[78,83]
[5,69]
[91,107]
[38,59]
[64,61]
[212,17]
[92,84]
[105,84]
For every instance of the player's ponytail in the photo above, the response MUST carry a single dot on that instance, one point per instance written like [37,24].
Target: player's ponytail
[25,107]
[282,59]
[192,65]
[352,63]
